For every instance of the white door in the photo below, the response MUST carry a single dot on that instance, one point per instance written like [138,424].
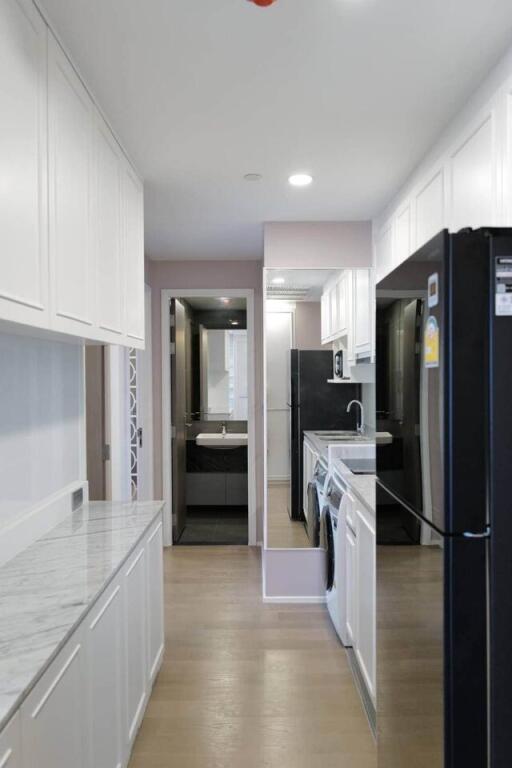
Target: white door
[70,136]
[105,678]
[279,341]
[136,641]
[107,216]
[154,552]
[366,603]
[144,405]
[10,744]
[133,255]
[53,715]
[23,163]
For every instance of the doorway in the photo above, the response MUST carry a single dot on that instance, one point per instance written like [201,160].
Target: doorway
[208,416]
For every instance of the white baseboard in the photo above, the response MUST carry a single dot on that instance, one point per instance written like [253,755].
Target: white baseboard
[37,520]
[295,599]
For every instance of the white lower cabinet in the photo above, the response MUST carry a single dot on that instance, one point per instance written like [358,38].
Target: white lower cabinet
[155,601]
[105,681]
[309,459]
[351,581]
[10,744]
[85,710]
[135,638]
[366,596]
[53,716]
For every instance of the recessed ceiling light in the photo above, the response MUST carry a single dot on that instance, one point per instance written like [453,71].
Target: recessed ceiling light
[300,179]
[253,177]
[234,322]
[278,280]
[224,299]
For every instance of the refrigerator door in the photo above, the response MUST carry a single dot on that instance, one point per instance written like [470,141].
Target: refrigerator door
[432,320]
[431,651]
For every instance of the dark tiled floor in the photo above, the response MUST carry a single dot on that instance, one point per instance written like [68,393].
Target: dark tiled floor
[215,525]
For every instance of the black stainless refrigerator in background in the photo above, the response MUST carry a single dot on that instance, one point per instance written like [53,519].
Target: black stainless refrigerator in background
[444,505]
[314,405]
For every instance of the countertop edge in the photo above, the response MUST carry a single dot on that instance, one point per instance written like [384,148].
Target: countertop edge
[10,713]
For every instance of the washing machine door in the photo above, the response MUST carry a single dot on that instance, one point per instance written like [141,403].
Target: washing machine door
[330,536]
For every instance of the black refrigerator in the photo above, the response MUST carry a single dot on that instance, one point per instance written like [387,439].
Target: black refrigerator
[314,405]
[444,505]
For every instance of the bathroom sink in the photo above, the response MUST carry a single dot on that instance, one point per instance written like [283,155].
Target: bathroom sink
[341,436]
[220,441]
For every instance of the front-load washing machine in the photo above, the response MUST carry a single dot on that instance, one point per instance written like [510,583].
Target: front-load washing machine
[334,524]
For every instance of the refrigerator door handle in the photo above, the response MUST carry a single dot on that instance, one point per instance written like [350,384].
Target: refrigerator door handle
[484,535]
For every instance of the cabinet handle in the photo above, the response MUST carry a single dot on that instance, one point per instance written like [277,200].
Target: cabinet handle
[5,759]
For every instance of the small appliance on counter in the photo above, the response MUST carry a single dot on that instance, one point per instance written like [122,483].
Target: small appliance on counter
[338,364]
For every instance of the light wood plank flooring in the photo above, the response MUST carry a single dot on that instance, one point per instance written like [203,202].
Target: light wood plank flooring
[281,531]
[246,684]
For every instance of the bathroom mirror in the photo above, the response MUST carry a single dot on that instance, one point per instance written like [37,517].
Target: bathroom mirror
[223,388]
[311,324]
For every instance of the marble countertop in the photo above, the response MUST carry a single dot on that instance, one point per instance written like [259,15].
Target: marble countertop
[47,589]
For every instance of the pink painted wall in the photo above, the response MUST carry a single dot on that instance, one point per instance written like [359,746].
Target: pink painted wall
[201,275]
[308,328]
[318,245]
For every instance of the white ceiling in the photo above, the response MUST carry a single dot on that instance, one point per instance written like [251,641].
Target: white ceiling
[202,92]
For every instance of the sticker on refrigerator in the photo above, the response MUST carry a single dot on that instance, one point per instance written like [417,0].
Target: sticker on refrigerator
[433,290]
[432,343]
[504,286]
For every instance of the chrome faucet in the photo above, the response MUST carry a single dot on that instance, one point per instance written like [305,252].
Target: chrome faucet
[224,429]
[360,426]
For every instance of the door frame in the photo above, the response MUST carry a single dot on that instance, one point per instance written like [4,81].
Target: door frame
[235,293]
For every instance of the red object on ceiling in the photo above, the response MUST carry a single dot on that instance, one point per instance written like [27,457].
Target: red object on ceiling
[262,3]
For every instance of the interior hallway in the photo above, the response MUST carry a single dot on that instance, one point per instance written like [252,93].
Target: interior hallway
[246,684]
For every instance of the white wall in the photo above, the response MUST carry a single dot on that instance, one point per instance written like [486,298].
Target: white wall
[42,438]
[464,180]
[308,325]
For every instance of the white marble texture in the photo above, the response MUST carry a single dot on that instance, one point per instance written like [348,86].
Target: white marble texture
[47,589]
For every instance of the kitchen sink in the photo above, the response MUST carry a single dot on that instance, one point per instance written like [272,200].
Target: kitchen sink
[345,436]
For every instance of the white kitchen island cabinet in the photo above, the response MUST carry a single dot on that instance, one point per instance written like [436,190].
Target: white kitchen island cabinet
[72,227]
[82,706]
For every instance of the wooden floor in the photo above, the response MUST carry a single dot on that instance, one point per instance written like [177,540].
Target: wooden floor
[281,531]
[246,684]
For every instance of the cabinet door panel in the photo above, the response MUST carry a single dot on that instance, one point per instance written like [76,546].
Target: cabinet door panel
[23,160]
[473,189]
[430,209]
[325,310]
[362,311]
[53,716]
[108,231]
[133,256]
[351,586]
[10,744]
[365,565]
[403,235]
[105,657]
[135,635]
[154,551]
[70,184]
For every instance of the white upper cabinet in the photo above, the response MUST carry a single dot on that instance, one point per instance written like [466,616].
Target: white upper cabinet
[71,205]
[473,178]
[23,160]
[362,301]
[429,208]
[133,255]
[325,314]
[403,234]
[70,135]
[384,249]
[108,231]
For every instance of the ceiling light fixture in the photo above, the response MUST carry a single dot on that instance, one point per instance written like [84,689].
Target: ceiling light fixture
[278,280]
[300,180]
[224,299]
[234,322]
[253,177]
[262,3]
